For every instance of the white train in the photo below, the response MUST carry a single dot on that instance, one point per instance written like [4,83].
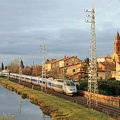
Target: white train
[60,85]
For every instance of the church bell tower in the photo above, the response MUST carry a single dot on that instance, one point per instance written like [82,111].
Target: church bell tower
[116,50]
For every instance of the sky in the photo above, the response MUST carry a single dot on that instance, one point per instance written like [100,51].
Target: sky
[26,25]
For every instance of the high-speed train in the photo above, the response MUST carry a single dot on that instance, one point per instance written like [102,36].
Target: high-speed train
[59,85]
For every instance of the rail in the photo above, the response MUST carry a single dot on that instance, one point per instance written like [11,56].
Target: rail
[102,107]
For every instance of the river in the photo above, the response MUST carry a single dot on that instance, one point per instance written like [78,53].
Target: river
[22,109]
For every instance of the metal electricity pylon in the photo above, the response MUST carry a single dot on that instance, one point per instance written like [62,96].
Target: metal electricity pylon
[92,75]
[43,61]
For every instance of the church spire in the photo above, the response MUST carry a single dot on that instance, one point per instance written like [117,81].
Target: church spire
[117,36]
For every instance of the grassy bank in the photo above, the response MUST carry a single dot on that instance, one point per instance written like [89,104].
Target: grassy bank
[57,108]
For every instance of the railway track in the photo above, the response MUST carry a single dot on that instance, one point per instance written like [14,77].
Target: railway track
[102,107]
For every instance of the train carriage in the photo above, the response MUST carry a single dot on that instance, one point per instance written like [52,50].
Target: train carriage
[63,86]
[60,85]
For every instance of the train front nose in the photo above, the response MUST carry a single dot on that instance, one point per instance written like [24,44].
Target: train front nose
[72,90]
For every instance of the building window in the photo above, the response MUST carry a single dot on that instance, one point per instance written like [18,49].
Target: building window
[66,64]
[73,70]
[97,74]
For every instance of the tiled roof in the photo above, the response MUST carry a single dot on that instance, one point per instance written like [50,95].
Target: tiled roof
[68,57]
[108,65]
[50,61]
[105,56]
[100,70]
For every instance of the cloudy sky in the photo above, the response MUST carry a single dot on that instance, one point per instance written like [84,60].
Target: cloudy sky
[60,25]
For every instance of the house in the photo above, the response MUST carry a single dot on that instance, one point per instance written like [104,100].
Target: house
[69,70]
[106,58]
[63,67]
[105,69]
[36,70]
[48,64]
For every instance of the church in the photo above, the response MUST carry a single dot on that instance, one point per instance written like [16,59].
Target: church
[110,65]
[116,48]
[116,56]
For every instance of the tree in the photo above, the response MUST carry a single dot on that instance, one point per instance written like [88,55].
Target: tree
[14,66]
[87,61]
[6,67]
[27,70]
[2,66]
[21,63]
[84,69]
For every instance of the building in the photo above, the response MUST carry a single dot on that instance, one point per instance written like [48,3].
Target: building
[116,56]
[64,67]
[67,60]
[36,70]
[71,71]
[109,66]
[105,70]
[48,64]
[116,48]
[106,58]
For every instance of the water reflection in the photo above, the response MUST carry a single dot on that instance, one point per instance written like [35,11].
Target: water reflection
[11,103]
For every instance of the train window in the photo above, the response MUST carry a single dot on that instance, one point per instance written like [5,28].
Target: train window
[27,78]
[33,80]
[70,84]
[56,85]
[60,80]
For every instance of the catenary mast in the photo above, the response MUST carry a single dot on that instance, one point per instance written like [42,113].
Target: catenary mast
[20,70]
[92,75]
[43,61]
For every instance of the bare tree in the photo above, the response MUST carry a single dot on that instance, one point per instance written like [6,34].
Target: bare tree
[14,66]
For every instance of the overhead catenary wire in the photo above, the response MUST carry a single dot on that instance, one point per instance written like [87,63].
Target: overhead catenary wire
[101,8]
[110,5]
[77,25]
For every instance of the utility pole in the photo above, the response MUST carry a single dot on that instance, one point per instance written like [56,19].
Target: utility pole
[92,71]
[43,63]
[20,71]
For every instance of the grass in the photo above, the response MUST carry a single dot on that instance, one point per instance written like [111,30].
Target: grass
[57,108]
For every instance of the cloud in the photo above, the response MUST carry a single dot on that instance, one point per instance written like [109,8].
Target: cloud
[60,25]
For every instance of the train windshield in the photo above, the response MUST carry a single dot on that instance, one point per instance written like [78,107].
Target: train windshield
[69,83]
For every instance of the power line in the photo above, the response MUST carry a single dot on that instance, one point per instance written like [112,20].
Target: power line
[107,7]
[103,8]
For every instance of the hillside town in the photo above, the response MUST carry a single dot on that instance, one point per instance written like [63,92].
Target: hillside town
[71,67]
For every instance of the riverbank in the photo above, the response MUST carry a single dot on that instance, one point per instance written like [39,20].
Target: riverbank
[57,108]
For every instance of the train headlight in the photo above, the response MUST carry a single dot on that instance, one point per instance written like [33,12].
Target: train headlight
[72,89]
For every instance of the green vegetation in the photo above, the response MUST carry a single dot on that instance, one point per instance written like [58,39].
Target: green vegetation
[109,87]
[57,108]
[7,117]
